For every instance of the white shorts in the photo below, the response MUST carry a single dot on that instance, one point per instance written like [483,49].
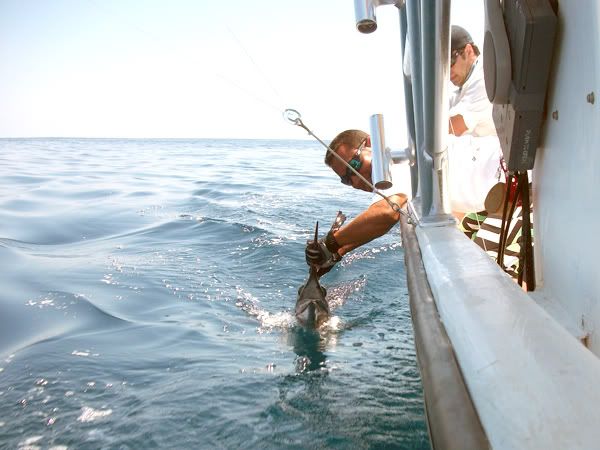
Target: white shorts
[473,168]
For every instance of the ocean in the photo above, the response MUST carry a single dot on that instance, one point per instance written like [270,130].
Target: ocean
[147,302]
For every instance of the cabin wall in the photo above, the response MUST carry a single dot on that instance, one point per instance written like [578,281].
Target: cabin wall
[567,173]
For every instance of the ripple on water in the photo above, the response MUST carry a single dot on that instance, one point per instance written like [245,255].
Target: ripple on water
[148,301]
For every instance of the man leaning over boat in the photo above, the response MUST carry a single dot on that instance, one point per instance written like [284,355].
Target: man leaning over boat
[354,147]
[475,167]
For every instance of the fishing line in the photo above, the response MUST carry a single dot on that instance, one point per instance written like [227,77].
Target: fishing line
[128,24]
[293,117]
[256,66]
[248,93]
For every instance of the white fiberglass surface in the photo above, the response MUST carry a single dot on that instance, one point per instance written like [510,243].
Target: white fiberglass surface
[533,384]
[566,182]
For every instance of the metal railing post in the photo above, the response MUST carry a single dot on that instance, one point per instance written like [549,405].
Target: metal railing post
[435,44]
[425,163]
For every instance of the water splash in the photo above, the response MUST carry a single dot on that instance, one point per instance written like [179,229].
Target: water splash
[90,414]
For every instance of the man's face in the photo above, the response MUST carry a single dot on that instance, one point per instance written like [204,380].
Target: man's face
[460,69]
[347,153]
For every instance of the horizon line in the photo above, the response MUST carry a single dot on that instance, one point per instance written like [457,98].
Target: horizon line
[155,138]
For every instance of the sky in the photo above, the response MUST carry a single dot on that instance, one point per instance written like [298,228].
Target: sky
[200,69]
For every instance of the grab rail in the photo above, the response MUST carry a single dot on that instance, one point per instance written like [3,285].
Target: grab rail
[425,35]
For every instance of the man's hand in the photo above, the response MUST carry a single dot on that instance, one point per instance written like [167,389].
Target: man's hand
[457,125]
[318,255]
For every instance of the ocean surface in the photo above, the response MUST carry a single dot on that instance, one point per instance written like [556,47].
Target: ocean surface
[147,291]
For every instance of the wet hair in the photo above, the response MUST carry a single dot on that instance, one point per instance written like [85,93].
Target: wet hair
[352,138]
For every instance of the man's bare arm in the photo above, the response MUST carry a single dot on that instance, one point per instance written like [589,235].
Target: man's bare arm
[375,221]
[457,125]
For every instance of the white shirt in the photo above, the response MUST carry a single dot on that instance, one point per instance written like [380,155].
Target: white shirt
[401,183]
[473,157]
[472,103]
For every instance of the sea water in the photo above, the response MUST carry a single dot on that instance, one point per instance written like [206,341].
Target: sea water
[147,293]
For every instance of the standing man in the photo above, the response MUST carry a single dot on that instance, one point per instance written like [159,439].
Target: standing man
[354,147]
[475,156]
[474,152]
[470,109]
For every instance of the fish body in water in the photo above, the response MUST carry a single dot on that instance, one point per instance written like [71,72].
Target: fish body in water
[312,309]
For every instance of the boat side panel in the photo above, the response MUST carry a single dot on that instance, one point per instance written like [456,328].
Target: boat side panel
[451,417]
[532,383]
[566,180]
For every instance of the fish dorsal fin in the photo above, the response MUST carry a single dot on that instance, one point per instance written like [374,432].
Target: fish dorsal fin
[313,269]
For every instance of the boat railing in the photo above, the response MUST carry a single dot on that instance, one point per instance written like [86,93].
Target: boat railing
[425,43]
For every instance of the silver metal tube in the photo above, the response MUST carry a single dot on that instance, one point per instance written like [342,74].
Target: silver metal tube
[411,151]
[380,155]
[424,162]
[441,75]
[401,156]
[364,11]
[441,203]
[435,42]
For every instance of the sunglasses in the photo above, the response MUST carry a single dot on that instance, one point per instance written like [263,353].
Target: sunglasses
[355,163]
[455,54]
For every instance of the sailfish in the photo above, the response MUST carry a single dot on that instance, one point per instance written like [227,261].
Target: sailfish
[312,309]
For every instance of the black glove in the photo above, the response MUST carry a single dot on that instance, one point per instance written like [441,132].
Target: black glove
[318,255]
[323,253]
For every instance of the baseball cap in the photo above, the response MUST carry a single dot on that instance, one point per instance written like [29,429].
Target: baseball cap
[460,37]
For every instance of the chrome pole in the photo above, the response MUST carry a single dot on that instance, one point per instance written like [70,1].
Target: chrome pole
[408,103]
[435,42]
[364,11]
[381,158]
[424,162]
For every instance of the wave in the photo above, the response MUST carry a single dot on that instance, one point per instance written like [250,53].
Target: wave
[194,228]
[51,316]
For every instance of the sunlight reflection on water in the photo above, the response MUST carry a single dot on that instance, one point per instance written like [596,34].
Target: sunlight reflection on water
[148,302]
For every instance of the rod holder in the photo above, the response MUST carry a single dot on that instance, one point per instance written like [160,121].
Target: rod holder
[381,158]
[401,156]
[364,10]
